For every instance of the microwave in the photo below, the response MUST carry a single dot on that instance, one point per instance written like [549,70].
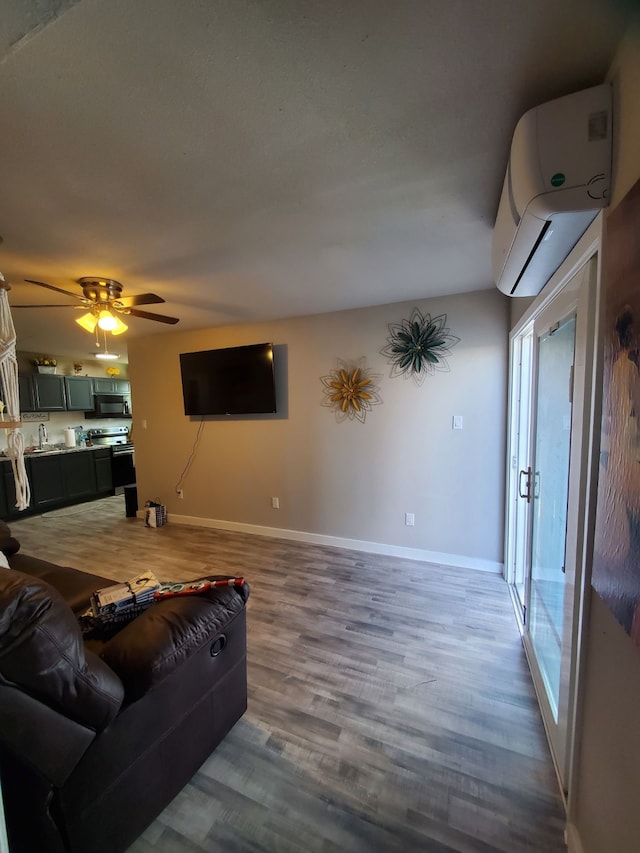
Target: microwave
[110,406]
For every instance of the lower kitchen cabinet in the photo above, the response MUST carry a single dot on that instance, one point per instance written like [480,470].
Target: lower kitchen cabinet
[47,483]
[104,476]
[79,475]
[58,479]
[62,478]
[7,491]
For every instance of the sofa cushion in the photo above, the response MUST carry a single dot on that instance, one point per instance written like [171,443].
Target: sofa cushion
[158,641]
[74,586]
[41,651]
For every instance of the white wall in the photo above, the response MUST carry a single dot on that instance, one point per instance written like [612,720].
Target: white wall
[606,816]
[351,481]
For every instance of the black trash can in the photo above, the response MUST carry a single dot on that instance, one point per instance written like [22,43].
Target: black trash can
[131,500]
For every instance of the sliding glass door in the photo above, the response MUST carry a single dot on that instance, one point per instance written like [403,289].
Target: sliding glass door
[549,487]
[549,377]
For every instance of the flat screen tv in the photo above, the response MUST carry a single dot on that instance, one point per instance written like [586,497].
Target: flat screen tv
[231,381]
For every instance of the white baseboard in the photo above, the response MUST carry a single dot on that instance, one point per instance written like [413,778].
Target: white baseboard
[572,838]
[337,542]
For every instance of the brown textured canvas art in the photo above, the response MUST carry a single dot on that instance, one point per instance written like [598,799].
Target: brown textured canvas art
[616,565]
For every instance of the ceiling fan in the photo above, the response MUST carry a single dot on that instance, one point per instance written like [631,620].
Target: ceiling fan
[103,300]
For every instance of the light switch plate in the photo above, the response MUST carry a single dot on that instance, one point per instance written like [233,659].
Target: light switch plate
[457,422]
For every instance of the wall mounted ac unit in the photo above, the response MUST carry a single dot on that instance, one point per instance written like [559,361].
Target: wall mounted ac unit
[558,177]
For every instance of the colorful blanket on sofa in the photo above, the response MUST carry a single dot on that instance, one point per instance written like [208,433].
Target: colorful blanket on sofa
[114,606]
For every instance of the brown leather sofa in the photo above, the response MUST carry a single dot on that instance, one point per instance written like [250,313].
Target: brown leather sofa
[97,737]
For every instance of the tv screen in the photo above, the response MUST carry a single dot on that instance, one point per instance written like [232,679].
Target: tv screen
[232,381]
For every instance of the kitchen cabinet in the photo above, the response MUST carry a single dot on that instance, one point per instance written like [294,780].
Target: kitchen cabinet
[46,478]
[79,472]
[104,476]
[48,392]
[111,386]
[7,491]
[58,479]
[78,393]
[44,392]
[25,389]
[5,469]
[64,478]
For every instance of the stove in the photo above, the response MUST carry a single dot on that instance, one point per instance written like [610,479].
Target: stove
[123,471]
[117,438]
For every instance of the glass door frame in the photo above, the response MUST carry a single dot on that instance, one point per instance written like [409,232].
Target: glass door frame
[518,520]
[584,458]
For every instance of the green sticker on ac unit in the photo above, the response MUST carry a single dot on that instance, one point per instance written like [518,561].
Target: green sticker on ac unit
[558,179]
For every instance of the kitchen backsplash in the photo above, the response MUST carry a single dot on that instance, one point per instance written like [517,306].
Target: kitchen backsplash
[56,423]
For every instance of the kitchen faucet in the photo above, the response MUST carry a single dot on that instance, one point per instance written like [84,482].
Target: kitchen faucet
[42,436]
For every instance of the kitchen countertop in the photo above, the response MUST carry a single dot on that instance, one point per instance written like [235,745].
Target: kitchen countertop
[55,449]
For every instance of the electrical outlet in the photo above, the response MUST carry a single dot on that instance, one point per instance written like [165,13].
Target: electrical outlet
[180,494]
[275,503]
[409,519]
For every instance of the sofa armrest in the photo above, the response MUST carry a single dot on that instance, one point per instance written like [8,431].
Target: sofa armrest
[158,641]
[39,736]
[42,653]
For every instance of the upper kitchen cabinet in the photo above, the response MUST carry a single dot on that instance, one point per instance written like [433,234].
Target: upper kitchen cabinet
[79,393]
[25,389]
[48,392]
[111,386]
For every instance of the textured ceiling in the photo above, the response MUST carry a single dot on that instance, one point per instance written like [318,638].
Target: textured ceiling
[249,160]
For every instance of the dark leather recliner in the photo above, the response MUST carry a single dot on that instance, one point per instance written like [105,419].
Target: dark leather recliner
[97,738]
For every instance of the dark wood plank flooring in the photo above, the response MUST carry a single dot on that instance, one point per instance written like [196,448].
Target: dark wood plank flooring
[390,705]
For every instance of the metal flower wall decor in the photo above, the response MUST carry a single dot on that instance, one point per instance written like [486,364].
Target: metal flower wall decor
[351,390]
[417,347]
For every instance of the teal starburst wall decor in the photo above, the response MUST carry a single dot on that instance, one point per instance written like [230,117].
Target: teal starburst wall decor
[419,346]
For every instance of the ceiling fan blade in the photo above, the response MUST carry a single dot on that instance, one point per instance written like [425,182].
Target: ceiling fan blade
[160,318]
[57,289]
[140,299]
[57,305]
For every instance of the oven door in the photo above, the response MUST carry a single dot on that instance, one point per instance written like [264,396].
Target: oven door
[122,468]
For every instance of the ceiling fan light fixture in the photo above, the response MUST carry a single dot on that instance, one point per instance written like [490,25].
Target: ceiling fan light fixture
[88,322]
[120,327]
[106,356]
[106,321]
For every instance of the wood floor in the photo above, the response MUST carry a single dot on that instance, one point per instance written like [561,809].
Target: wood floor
[390,706]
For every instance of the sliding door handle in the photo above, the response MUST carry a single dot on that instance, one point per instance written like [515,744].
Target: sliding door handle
[527,492]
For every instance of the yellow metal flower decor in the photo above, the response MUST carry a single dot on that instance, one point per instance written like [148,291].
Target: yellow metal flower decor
[351,390]
[417,347]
